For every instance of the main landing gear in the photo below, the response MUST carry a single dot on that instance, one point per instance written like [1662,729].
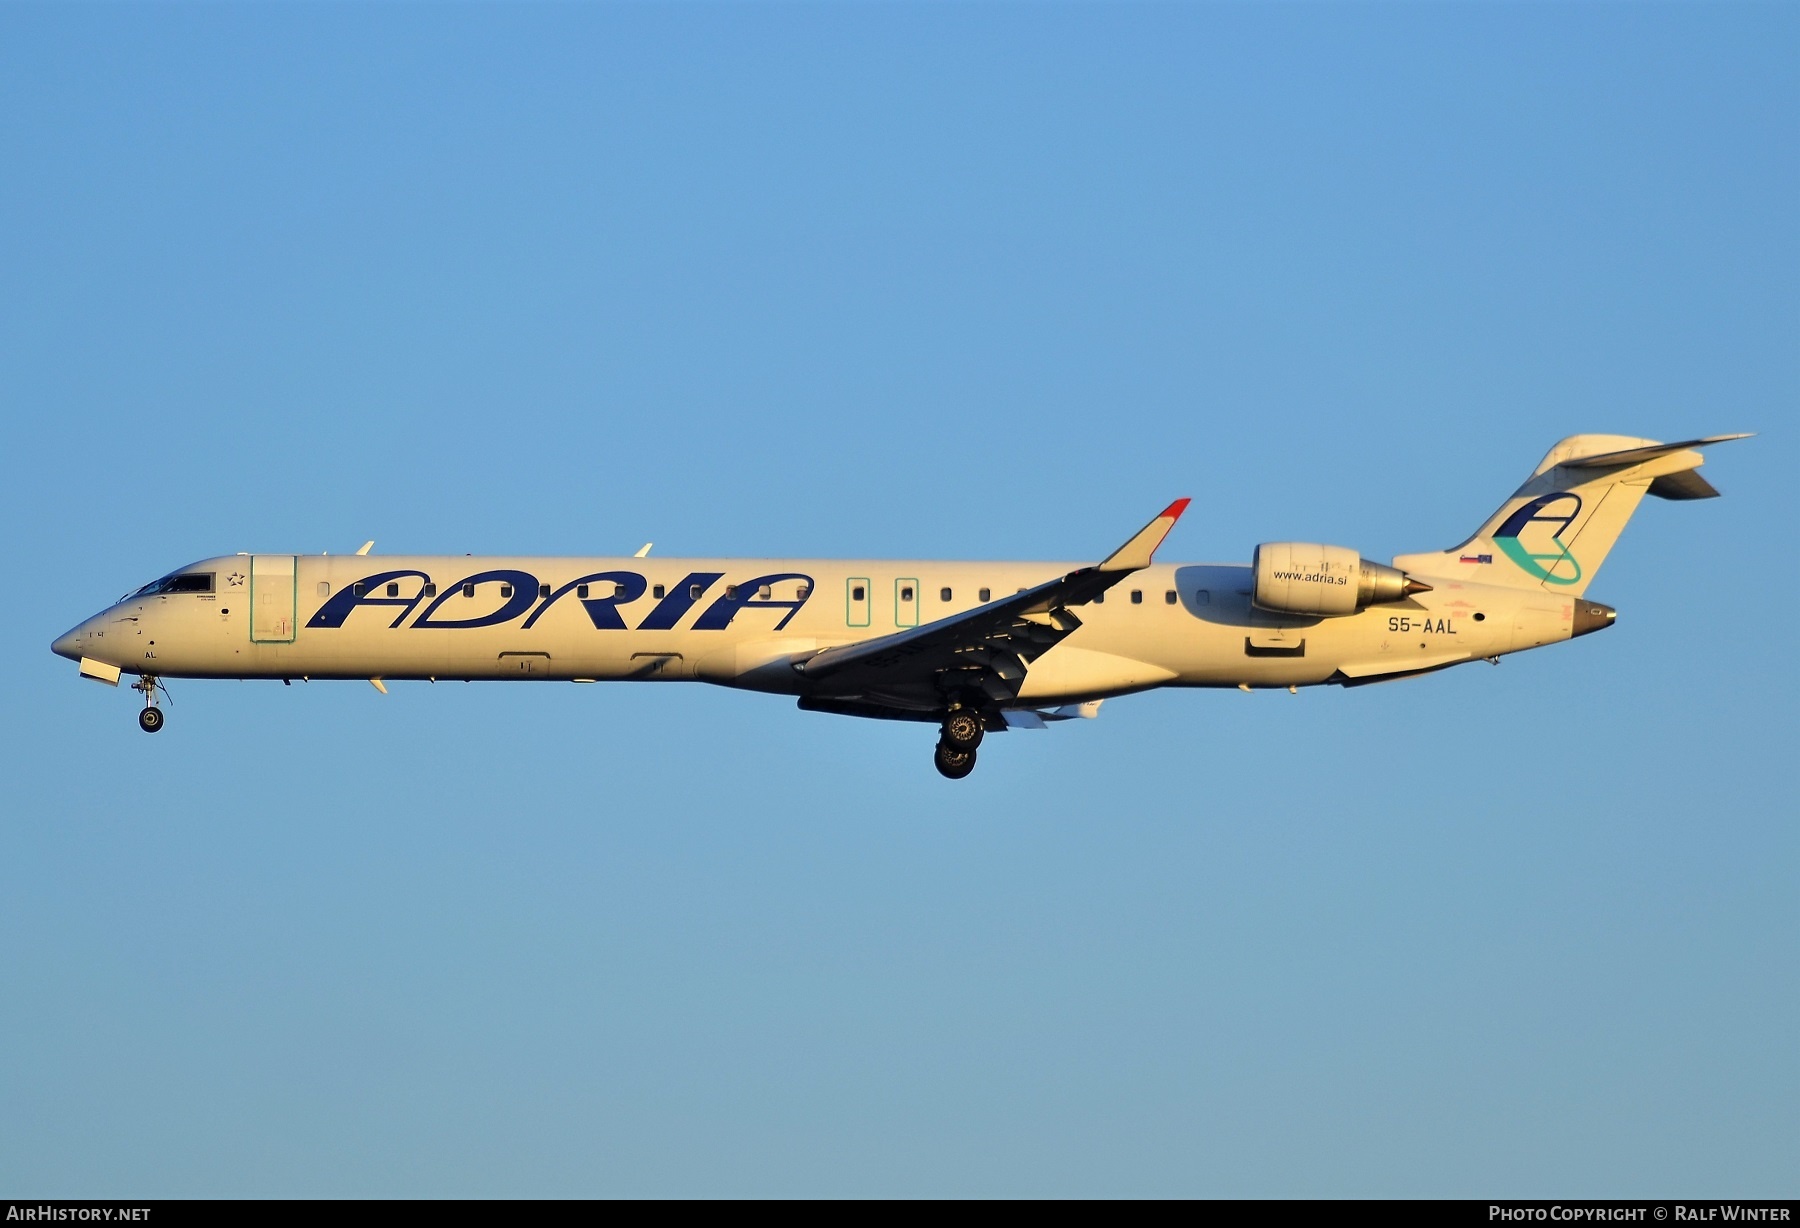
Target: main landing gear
[962,733]
[150,720]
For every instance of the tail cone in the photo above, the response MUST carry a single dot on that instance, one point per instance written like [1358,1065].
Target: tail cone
[1592,616]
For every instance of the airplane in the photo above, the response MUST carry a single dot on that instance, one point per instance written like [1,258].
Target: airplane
[973,648]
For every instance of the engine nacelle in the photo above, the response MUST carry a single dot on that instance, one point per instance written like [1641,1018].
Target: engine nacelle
[1328,581]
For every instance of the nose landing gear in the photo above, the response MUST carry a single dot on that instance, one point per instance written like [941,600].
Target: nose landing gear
[150,720]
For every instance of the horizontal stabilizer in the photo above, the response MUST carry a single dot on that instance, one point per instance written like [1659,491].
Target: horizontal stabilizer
[1637,456]
[1687,484]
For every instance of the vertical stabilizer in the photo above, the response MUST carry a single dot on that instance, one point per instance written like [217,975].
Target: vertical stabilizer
[1560,525]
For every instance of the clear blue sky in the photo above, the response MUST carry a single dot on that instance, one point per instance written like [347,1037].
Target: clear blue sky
[920,281]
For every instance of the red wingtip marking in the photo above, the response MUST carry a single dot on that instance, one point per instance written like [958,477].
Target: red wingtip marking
[1176,508]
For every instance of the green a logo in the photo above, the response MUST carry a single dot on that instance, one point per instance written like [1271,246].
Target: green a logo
[1542,554]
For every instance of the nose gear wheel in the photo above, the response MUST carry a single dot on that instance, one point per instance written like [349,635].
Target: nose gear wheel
[150,720]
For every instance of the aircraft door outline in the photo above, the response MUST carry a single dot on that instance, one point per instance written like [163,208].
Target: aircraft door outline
[274,598]
[906,602]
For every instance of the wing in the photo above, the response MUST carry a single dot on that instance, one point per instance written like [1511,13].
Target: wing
[981,653]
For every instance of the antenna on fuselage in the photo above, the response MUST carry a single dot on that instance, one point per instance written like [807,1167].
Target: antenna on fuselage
[643,550]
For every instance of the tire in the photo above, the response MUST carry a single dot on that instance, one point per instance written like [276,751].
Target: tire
[952,763]
[963,729]
[150,720]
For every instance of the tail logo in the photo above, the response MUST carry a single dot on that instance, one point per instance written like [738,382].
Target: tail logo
[1532,538]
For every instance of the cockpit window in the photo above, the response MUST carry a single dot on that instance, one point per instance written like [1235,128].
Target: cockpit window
[180,582]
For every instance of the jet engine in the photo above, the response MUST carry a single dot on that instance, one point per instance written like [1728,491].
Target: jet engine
[1328,581]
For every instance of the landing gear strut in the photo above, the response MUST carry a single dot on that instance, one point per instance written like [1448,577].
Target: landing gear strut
[151,718]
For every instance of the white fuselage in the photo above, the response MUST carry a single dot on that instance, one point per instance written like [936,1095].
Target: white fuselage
[747,622]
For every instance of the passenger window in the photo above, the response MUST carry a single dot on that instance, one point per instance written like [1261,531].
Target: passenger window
[984,595]
[730,592]
[1170,597]
[430,590]
[506,590]
[468,590]
[694,591]
[805,591]
[581,591]
[1137,596]
[657,592]
[858,593]
[393,590]
[543,590]
[906,593]
[763,593]
[324,589]
[1099,598]
[357,588]
[1202,597]
[943,594]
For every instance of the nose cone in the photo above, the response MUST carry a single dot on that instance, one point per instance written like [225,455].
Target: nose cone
[68,644]
[78,641]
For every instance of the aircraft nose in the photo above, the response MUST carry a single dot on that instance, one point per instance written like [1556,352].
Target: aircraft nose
[68,644]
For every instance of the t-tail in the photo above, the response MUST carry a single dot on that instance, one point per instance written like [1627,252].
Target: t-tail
[1558,527]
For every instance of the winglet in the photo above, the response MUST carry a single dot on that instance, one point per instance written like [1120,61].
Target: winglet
[1137,552]
[643,551]
[366,547]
